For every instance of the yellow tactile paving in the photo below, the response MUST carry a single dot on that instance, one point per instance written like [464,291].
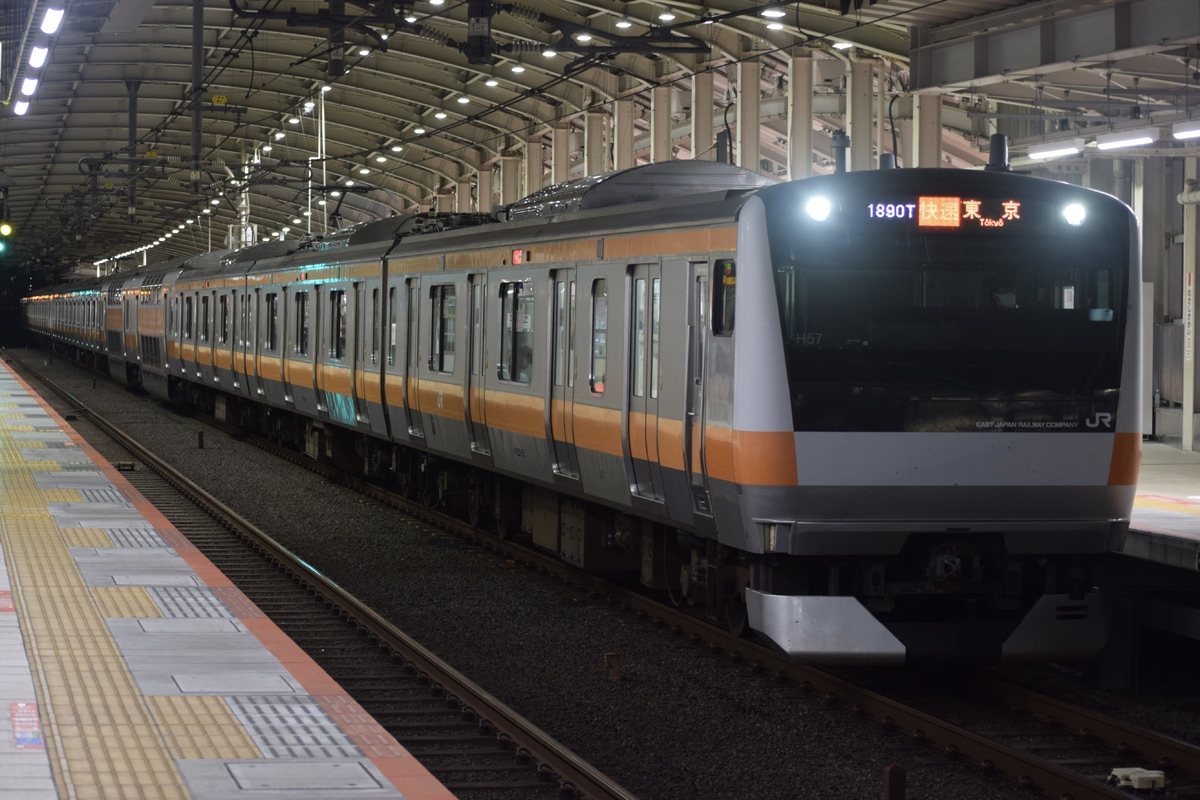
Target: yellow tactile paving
[103,741]
[86,537]
[201,726]
[116,602]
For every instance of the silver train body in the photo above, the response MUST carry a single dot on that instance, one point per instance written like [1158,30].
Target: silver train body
[879,418]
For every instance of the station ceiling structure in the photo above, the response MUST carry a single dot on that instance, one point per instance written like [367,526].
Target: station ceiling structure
[139,131]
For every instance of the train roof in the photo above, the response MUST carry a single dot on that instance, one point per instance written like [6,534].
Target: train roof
[667,180]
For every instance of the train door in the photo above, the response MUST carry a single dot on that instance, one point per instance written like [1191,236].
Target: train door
[412,385]
[476,407]
[250,338]
[643,386]
[562,374]
[693,420]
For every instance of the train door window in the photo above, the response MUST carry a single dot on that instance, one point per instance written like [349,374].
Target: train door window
[189,316]
[337,323]
[443,308]
[302,321]
[272,321]
[413,330]
[560,330]
[655,324]
[599,364]
[724,290]
[204,318]
[516,331]
[375,326]
[640,325]
[223,328]
[571,334]
[392,311]
[477,328]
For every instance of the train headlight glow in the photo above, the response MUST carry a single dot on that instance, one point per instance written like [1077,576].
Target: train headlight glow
[819,208]
[1074,214]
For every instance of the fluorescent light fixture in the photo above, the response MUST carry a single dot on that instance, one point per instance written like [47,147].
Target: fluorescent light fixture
[52,20]
[491,82]
[549,52]
[29,86]
[1188,129]
[419,131]
[37,57]
[20,108]
[279,135]
[518,68]
[775,13]
[463,99]
[396,148]
[842,45]
[440,115]
[1134,138]
[624,22]
[1057,149]
[583,37]
[666,16]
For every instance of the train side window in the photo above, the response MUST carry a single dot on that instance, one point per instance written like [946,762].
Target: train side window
[655,325]
[639,337]
[599,335]
[516,332]
[272,321]
[393,310]
[337,323]
[723,295]
[443,306]
[189,317]
[204,318]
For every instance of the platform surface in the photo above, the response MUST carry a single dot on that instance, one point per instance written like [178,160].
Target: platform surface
[130,667]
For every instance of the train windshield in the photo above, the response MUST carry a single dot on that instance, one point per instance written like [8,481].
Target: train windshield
[937,303]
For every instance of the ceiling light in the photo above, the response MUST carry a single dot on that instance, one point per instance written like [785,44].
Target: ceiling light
[29,86]
[774,13]
[410,19]
[284,229]
[624,22]
[491,82]
[297,221]
[37,57]
[549,52]
[307,213]
[20,108]
[440,115]
[436,2]
[325,87]
[419,131]
[308,106]
[279,135]
[321,203]
[168,234]
[464,100]
[294,120]
[518,68]
[666,16]
[583,37]
[349,183]
[381,159]
[397,148]
[1133,138]
[1188,129]
[774,26]
[266,148]
[215,202]
[364,171]
[207,211]
[335,193]
[1062,147]
[842,45]
[364,51]
[52,20]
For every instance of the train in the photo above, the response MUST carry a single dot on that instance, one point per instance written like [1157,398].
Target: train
[887,417]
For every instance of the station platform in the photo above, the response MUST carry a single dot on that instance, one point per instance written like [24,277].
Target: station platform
[130,667]
[1165,527]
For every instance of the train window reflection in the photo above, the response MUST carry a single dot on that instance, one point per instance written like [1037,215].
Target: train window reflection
[272,342]
[441,358]
[516,332]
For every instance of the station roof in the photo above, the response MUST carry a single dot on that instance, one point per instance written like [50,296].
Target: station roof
[180,122]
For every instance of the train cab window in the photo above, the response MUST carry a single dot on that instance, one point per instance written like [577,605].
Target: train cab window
[393,310]
[337,323]
[599,365]
[724,290]
[272,321]
[516,332]
[302,321]
[189,317]
[442,344]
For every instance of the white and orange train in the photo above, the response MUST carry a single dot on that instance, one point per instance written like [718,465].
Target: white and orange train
[883,417]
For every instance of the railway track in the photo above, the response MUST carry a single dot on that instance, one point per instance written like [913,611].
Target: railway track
[1041,744]
[474,744]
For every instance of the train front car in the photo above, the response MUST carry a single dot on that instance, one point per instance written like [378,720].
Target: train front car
[955,358]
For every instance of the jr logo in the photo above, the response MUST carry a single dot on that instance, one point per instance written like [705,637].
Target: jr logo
[1099,419]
